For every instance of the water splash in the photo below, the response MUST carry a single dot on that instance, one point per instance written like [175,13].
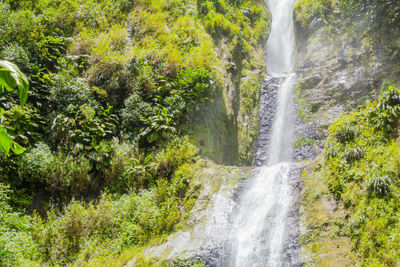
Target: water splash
[260,217]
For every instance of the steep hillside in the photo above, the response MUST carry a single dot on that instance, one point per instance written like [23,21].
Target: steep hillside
[344,58]
[125,99]
[348,56]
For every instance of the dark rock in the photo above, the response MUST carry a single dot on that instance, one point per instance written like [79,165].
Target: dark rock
[266,116]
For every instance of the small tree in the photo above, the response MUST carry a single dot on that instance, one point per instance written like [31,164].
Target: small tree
[11,78]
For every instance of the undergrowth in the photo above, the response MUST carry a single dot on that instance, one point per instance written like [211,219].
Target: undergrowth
[115,88]
[360,167]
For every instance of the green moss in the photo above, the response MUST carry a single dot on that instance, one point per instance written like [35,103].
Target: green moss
[315,107]
[301,110]
[304,141]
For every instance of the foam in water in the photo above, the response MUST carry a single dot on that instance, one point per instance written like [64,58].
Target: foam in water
[259,225]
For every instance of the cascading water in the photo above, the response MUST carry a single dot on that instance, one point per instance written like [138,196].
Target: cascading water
[259,225]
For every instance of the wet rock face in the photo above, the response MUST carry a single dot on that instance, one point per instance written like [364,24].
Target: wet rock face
[266,116]
[308,131]
[335,75]
[304,130]
[291,247]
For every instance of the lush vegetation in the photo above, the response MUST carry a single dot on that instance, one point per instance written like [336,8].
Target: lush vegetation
[361,169]
[107,226]
[120,94]
[350,205]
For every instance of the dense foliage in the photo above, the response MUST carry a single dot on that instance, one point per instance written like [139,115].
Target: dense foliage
[115,89]
[107,70]
[350,200]
[110,225]
[361,168]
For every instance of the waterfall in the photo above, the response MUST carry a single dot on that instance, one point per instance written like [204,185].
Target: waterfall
[280,45]
[260,222]
[257,225]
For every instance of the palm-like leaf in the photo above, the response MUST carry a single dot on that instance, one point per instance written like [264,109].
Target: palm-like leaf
[12,78]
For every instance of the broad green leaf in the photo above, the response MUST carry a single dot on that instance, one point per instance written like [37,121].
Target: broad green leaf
[17,149]
[4,252]
[12,78]
[6,142]
[18,223]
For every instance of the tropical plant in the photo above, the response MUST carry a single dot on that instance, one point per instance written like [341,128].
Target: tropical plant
[386,114]
[345,134]
[352,154]
[158,127]
[11,78]
[379,185]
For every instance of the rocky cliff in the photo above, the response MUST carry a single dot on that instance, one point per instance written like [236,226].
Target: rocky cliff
[346,56]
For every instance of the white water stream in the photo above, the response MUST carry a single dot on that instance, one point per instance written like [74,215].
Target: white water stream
[260,231]
[259,225]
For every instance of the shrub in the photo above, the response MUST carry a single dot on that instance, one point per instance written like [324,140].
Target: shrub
[112,76]
[68,91]
[16,54]
[385,114]
[336,186]
[143,171]
[41,169]
[72,177]
[379,185]
[84,130]
[123,154]
[356,222]
[345,134]
[15,241]
[331,152]
[23,123]
[308,10]
[36,165]
[18,26]
[177,153]
[158,129]
[135,109]
[49,50]
[352,154]
[138,174]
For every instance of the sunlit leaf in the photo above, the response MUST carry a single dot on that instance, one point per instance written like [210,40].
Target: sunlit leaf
[17,149]
[12,78]
[6,142]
